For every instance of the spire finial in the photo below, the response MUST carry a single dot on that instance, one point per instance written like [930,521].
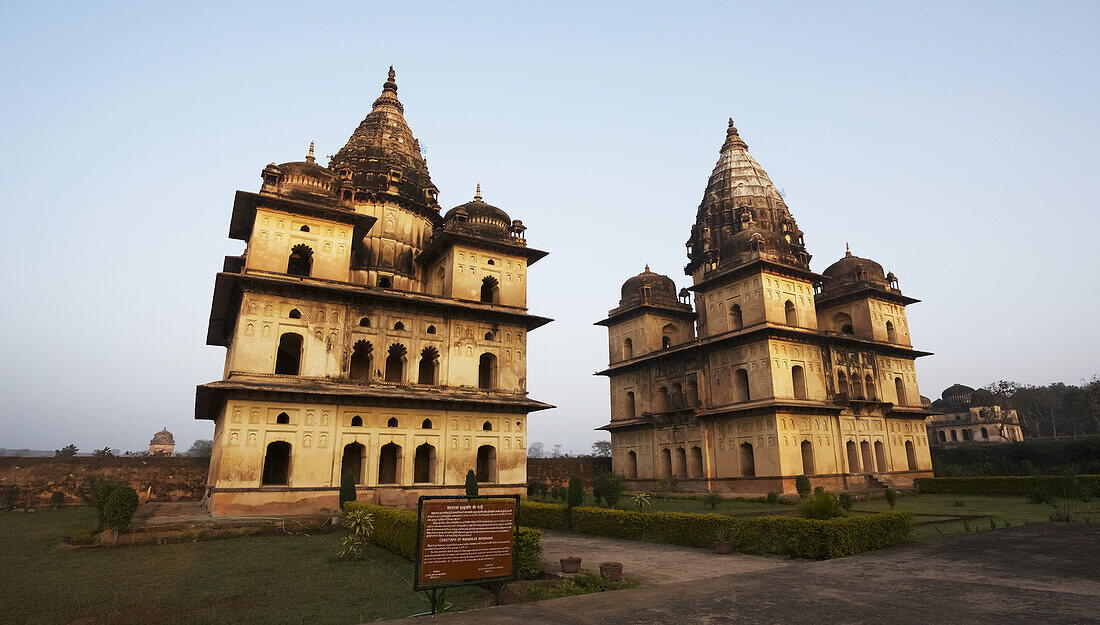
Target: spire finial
[647,268]
[847,251]
[309,157]
[477,195]
[391,81]
[732,138]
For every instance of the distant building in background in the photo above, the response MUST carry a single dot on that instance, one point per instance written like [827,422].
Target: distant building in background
[162,444]
[971,416]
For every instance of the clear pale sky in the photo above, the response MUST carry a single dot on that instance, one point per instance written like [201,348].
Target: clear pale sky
[955,143]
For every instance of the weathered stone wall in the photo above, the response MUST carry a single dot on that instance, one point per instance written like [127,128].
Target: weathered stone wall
[161,479]
[557,471]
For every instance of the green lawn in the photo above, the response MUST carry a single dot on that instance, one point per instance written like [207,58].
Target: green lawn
[258,579]
[1015,510]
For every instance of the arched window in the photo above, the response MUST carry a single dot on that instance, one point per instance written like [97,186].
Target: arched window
[487,426]
[392,423]
[677,395]
[954,436]
[681,463]
[746,460]
[808,458]
[631,465]
[364,322]
[385,282]
[692,393]
[486,464]
[741,385]
[855,387]
[880,456]
[899,387]
[424,464]
[352,462]
[490,290]
[389,463]
[869,386]
[841,383]
[489,336]
[666,463]
[357,421]
[276,471]
[942,436]
[891,335]
[669,336]
[628,349]
[865,452]
[399,326]
[282,419]
[735,321]
[631,407]
[487,371]
[426,424]
[985,434]
[431,330]
[440,281]
[304,229]
[361,356]
[429,365]
[662,399]
[695,462]
[288,358]
[798,381]
[395,363]
[853,457]
[300,262]
[295,314]
[966,434]
[842,323]
[790,313]
[910,455]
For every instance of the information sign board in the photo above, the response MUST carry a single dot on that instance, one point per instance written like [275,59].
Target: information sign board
[465,541]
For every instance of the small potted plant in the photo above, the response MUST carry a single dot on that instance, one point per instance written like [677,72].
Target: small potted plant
[722,542]
[611,571]
[572,564]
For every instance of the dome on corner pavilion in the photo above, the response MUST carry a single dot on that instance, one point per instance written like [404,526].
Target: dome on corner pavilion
[662,290]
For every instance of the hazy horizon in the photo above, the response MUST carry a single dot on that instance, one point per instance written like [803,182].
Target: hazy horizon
[956,145]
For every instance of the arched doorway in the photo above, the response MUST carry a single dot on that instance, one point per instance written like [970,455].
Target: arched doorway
[424,464]
[808,458]
[352,462]
[288,358]
[746,460]
[361,361]
[911,455]
[631,465]
[853,457]
[276,470]
[395,363]
[865,451]
[880,456]
[487,371]
[389,463]
[666,463]
[695,462]
[486,464]
[681,463]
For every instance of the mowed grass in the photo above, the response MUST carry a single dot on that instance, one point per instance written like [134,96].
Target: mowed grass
[258,579]
[1015,510]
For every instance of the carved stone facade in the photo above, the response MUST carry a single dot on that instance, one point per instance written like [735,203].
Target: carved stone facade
[776,371]
[971,416]
[367,334]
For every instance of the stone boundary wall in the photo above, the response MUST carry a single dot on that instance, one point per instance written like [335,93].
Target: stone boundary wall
[557,471]
[154,478]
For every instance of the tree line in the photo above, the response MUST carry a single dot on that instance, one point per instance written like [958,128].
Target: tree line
[1052,410]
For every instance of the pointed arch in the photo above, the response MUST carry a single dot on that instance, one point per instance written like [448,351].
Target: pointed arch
[428,370]
[362,356]
[490,290]
[735,320]
[790,313]
[487,371]
[300,262]
[288,356]
[395,363]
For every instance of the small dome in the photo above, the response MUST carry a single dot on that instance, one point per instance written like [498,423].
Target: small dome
[481,218]
[924,401]
[957,394]
[753,239]
[163,437]
[982,397]
[853,269]
[662,290]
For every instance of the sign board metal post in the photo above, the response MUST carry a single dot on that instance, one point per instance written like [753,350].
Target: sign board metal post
[463,541]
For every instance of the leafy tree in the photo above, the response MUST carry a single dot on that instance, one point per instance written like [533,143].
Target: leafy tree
[610,486]
[471,483]
[557,452]
[68,451]
[845,501]
[575,496]
[601,449]
[536,450]
[103,453]
[891,497]
[822,505]
[120,507]
[802,485]
[201,448]
[347,489]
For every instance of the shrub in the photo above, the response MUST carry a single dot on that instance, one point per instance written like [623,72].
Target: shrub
[57,498]
[347,488]
[610,486]
[537,489]
[583,583]
[545,515]
[471,483]
[576,492]
[792,536]
[559,493]
[821,505]
[845,501]
[640,501]
[712,499]
[82,537]
[891,496]
[1039,493]
[772,498]
[119,509]
[395,531]
[1005,485]
[802,485]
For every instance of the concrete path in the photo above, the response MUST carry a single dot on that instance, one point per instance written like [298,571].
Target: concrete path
[1042,573]
[650,563]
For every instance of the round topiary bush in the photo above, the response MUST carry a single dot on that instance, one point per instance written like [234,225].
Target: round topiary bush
[119,508]
[802,485]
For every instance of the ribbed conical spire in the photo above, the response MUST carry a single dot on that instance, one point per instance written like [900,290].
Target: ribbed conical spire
[382,145]
[733,140]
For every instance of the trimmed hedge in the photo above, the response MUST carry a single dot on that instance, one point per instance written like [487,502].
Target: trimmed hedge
[785,535]
[548,516]
[1007,485]
[395,530]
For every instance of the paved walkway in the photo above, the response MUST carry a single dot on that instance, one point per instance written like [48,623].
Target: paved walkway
[650,563]
[1042,573]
